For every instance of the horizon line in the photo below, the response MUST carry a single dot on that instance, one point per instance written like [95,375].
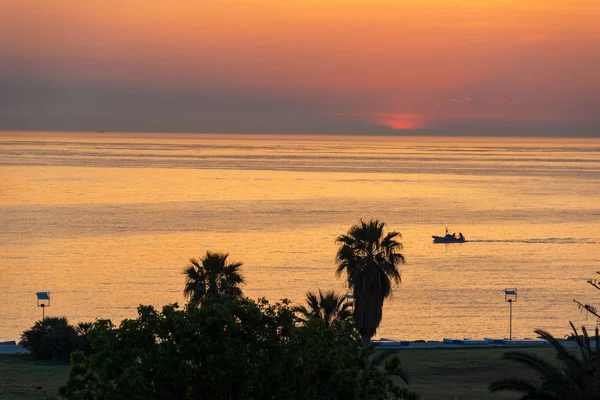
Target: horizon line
[398,133]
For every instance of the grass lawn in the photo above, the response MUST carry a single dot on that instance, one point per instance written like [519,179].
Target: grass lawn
[20,374]
[436,374]
[464,374]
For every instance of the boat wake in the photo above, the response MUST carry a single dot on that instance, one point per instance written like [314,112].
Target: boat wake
[539,240]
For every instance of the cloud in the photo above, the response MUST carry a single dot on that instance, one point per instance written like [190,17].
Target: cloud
[495,127]
[26,105]
[462,100]
[504,100]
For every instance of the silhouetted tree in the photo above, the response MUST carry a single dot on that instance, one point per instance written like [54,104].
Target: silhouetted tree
[370,259]
[53,338]
[329,307]
[574,379]
[212,277]
[83,330]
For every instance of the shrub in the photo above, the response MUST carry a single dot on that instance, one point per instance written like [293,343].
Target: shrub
[237,348]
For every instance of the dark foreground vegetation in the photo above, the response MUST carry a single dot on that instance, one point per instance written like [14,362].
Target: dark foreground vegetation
[435,373]
[235,348]
[222,345]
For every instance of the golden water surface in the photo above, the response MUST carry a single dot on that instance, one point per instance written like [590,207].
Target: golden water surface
[106,222]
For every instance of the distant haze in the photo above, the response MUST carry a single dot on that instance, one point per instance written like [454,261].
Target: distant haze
[432,67]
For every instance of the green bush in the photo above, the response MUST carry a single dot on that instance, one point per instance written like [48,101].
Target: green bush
[235,349]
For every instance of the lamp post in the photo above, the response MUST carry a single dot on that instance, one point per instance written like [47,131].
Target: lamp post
[510,296]
[43,300]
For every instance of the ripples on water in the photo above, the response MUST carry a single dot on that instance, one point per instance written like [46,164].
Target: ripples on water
[108,221]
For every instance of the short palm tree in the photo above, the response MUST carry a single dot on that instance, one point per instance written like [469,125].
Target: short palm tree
[573,379]
[83,328]
[370,259]
[212,277]
[51,338]
[329,307]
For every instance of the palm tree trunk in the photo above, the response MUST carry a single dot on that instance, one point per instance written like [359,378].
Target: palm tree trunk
[366,339]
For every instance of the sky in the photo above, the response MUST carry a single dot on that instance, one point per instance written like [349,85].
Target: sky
[448,67]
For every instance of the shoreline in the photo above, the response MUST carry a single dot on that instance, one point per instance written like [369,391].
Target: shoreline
[13,348]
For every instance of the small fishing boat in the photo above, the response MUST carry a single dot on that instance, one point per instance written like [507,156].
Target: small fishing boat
[449,238]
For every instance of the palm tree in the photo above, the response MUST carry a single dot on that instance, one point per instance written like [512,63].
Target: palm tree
[370,260]
[212,277]
[83,328]
[572,379]
[329,307]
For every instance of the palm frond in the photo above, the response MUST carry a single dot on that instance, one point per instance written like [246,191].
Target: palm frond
[392,364]
[589,308]
[514,385]
[583,343]
[543,367]
[328,307]
[211,276]
[561,353]
[83,328]
[572,379]
[380,355]
[595,282]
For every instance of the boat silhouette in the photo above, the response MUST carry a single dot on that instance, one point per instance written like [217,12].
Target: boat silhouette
[449,238]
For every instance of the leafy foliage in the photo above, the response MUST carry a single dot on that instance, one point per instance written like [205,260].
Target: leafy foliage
[573,379]
[234,349]
[212,277]
[370,259]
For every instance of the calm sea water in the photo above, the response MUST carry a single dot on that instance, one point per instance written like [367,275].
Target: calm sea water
[108,221]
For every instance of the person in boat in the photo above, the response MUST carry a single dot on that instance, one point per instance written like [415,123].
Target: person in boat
[460,236]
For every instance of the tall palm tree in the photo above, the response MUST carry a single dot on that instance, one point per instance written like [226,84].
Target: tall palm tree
[212,277]
[329,307]
[573,379]
[370,259]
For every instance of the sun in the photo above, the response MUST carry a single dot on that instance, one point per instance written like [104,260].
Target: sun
[399,121]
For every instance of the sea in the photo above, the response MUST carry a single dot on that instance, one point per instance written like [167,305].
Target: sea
[108,221]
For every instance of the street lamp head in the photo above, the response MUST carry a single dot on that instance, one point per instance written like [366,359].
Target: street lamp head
[43,301]
[510,295]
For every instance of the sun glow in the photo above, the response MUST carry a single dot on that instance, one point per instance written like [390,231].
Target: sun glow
[400,121]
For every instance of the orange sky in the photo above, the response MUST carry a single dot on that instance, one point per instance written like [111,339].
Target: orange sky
[403,64]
